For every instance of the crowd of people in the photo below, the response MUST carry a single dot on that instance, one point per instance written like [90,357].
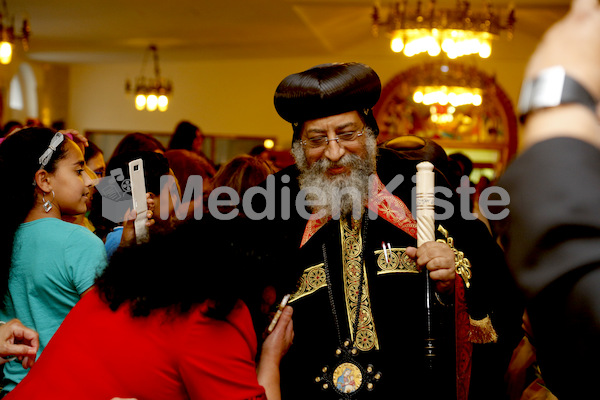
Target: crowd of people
[57,201]
[329,295]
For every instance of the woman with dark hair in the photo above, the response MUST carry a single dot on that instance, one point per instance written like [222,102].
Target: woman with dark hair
[188,136]
[94,161]
[138,142]
[46,264]
[11,127]
[165,321]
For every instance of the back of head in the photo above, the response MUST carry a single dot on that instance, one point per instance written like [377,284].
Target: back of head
[184,136]
[418,148]
[138,142]
[465,163]
[155,166]
[10,127]
[242,173]
[328,89]
[200,260]
[19,161]
[257,150]
[186,163]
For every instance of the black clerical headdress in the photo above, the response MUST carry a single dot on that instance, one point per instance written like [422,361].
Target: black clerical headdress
[328,89]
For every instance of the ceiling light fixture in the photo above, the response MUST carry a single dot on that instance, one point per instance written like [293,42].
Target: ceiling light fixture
[150,93]
[447,86]
[7,30]
[450,83]
[455,96]
[457,32]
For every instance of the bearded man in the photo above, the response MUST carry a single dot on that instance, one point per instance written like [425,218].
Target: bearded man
[350,261]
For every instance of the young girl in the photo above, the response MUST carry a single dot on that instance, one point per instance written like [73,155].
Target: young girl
[46,264]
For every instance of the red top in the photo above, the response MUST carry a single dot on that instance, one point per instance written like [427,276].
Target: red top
[101,354]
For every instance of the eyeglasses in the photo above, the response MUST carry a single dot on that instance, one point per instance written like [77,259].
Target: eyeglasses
[317,142]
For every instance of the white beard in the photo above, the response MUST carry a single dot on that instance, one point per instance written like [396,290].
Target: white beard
[338,195]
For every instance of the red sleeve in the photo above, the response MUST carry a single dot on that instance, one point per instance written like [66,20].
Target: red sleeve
[217,357]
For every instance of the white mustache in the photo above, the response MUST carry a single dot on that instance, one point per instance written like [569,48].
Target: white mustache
[348,160]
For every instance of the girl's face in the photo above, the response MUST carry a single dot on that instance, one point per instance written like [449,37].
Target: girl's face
[97,165]
[71,184]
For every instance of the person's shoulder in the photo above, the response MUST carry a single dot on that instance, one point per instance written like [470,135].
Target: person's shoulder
[77,229]
[59,235]
[56,228]
[78,234]
[199,315]
[116,232]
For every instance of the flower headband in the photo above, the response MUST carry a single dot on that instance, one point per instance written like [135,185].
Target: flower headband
[57,139]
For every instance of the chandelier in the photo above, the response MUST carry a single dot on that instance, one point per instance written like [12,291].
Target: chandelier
[457,32]
[446,87]
[150,93]
[455,96]
[7,30]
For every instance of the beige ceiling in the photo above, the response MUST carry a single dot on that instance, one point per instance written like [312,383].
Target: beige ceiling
[89,31]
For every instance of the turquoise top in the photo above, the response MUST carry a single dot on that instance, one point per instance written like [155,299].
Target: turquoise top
[53,263]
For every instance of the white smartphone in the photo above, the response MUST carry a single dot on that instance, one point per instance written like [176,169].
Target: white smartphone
[138,193]
[280,308]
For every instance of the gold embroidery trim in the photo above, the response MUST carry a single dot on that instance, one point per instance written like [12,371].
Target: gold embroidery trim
[365,337]
[397,262]
[312,279]
[461,263]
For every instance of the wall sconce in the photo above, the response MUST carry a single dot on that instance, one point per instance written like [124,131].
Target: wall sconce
[8,36]
[445,87]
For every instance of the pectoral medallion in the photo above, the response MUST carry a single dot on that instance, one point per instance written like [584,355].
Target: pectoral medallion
[347,378]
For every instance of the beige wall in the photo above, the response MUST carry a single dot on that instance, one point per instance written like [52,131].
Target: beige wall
[225,97]
[52,89]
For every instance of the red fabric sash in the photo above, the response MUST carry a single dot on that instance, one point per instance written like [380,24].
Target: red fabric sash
[464,348]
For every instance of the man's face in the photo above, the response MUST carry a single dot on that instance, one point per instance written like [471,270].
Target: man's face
[331,127]
[337,174]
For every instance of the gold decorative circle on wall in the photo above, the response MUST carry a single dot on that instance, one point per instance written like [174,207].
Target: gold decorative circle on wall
[487,132]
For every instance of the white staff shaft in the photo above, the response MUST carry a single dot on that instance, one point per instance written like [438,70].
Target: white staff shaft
[425,203]
[426,233]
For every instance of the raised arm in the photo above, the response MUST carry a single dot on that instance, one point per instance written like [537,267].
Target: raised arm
[552,240]
[274,348]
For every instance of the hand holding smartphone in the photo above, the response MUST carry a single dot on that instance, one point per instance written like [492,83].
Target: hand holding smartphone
[138,193]
[278,313]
